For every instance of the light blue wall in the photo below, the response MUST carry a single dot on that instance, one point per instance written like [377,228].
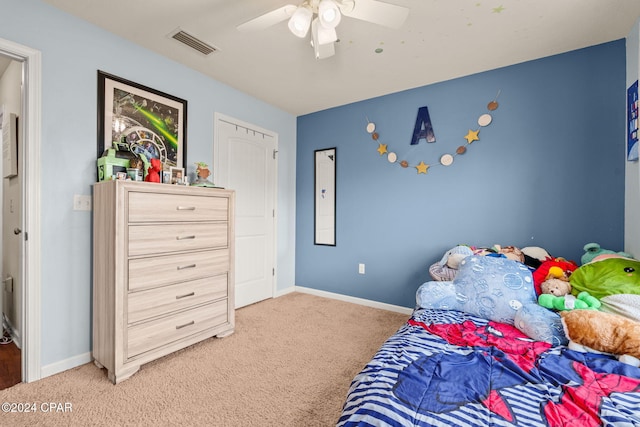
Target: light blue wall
[549,172]
[72,52]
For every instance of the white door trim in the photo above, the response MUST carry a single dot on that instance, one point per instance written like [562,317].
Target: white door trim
[217,117]
[31,128]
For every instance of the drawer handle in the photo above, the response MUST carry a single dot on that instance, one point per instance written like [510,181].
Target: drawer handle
[190,294]
[185,237]
[183,267]
[186,208]
[186,324]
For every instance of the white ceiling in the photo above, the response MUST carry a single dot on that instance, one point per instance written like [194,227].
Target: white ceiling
[441,40]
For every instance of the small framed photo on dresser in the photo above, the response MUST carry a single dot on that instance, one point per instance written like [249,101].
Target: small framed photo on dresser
[177,175]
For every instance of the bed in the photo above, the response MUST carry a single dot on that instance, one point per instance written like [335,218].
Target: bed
[453,364]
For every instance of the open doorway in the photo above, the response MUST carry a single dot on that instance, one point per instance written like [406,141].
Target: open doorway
[11,213]
[20,102]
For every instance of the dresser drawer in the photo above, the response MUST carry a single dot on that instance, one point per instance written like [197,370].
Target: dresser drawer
[166,299]
[157,333]
[163,238]
[168,269]
[152,207]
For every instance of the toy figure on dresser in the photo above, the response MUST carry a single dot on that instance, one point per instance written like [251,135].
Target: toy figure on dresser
[153,173]
[202,173]
[136,166]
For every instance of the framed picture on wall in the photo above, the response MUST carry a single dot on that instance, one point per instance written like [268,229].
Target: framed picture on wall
[141,120]
[632,122]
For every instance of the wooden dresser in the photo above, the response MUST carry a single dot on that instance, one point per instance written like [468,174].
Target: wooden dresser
[163,271]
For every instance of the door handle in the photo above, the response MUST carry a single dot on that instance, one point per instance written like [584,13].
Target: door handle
[17,231]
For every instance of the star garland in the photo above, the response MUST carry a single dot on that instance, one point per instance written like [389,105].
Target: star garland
[445,159]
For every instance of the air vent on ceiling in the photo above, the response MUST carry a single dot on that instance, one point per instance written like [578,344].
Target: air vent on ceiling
[193,42]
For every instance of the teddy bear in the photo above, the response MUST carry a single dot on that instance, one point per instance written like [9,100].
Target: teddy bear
[447,267]
[556,293]
[558,268]
[598,332]
[555,286]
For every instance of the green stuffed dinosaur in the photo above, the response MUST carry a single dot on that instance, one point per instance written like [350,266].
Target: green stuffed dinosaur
[569,302]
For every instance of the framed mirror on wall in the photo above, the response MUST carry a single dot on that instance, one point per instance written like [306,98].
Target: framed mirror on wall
[325,197]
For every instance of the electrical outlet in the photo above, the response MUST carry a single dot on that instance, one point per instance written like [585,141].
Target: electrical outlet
[361,268]
[81,202]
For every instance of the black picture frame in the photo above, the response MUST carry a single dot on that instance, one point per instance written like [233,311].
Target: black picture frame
[142,120]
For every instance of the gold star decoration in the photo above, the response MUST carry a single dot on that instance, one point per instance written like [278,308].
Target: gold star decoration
[471,136]
[498,9]
[382,148]
[422,167]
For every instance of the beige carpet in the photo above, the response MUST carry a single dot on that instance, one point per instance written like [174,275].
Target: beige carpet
[289,363]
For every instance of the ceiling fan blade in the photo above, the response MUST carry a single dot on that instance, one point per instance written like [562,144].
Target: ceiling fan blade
[377,12]
[268,19]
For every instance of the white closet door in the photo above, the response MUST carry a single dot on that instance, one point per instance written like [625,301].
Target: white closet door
[245,161]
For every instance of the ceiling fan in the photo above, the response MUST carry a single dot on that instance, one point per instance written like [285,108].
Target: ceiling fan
[323,16]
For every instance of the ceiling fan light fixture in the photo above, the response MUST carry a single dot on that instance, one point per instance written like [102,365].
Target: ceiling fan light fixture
[323,51]
[329,13]
[322,35]
[323,47]
[300,21]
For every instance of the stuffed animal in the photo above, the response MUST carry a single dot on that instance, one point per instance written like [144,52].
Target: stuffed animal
[563,269]
[511,252]
[566,302]
[614,281]
[555,287]
[153,173]
[534,256]
[482,251]
[592,250]
[599,332]
[447,267]
[608,276]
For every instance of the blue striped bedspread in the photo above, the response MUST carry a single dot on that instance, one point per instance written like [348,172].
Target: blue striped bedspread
[448,368]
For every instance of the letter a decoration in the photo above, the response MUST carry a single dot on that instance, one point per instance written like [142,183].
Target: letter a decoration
[423,128]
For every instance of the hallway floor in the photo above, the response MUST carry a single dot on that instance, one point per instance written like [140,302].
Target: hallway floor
[9,362]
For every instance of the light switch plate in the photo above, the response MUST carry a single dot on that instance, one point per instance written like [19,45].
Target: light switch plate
[81,202]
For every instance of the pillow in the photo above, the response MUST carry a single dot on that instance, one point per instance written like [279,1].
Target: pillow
[437,294]
[540,324]
[488,287]
[627,305]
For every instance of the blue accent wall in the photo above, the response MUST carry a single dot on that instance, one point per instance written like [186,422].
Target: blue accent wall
[548,172]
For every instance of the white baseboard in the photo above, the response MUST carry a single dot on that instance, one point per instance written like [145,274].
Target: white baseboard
[354,300]
[66,364]
[286,291]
